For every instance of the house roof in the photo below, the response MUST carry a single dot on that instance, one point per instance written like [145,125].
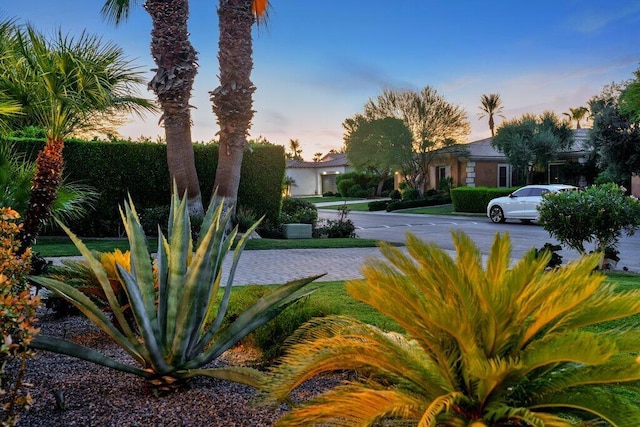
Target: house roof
[483,150]
[328,161]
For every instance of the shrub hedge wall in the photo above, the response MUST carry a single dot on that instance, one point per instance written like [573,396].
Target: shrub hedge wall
[475,199]
[116,169]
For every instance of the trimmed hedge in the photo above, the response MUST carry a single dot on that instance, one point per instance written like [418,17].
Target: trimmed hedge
[475,199]
[116,169]
[418,203]
[378,205]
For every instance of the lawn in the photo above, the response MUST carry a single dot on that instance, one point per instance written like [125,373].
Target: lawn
[62,246]
[321,199]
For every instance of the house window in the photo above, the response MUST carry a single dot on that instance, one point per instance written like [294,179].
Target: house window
[504,175]
[442,172]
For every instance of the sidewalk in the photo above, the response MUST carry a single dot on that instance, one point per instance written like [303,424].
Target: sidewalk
[277,266]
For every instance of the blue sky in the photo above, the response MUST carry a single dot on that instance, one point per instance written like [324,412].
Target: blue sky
[316,65]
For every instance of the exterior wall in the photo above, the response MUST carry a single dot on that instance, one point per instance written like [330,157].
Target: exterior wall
[485,174]
[306,181]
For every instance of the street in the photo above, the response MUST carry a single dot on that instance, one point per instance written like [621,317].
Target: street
[393,227]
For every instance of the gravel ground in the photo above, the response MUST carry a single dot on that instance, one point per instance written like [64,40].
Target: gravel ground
[99,396]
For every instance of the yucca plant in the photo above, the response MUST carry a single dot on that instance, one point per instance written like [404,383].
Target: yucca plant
[494,346]
[170,294]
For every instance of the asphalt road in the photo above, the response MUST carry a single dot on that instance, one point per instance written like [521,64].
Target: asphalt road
[392,227]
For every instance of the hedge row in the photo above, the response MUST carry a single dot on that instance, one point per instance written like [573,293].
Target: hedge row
[475,199]
[438,199]
[116,169]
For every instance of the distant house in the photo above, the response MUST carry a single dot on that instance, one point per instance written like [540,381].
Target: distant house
[316,178]
[479,164]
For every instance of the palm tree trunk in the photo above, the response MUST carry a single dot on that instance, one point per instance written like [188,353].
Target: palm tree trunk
[44,190]
[232,100]
[177,67]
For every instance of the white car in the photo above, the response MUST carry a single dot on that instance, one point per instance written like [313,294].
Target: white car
[523,203]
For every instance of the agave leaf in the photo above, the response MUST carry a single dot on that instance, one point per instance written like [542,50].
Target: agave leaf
[178,256]
[162,266]
[101,275]
[59,345]
[146,321]
[141,264]
[248,376]
[94,313]
[263,310]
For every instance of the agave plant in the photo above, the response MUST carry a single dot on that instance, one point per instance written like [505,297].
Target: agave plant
[169,295]
[498,346]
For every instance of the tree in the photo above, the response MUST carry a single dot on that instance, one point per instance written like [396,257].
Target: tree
[487,343]
[577,114]
[434,123]
[530,141]
[491,106]
[295,151]
[317,156]
[63,85]
[176,62]
[232,100]
[615,135]
[377,146]
[630,101]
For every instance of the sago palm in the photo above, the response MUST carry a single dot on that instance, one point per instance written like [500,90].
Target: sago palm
[495,346]
[170,296]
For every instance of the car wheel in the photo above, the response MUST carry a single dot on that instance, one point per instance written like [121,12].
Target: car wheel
[496,214]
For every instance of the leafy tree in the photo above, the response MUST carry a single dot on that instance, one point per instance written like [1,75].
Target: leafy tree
[176,68]
[232,100]
[377,146]
[615,135]
[495,345]
[529,141]
[630,101]
[63,85]
[433,121]
[577,114]
[295,151]
[491,106]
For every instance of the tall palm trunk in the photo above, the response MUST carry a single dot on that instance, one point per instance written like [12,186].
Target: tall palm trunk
[176,60]
[44,190]
[232,100]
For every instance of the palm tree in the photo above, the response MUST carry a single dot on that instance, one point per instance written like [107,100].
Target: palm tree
[577,114]
[232,100]
[176,62]
[295,152]
[63,85]
[491,106]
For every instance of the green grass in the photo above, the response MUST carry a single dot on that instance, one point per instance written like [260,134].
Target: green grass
[360,207]
[62,246]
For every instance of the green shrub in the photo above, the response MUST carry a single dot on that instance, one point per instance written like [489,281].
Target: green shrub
[298,211]
[245,218]
[151,218]
[598,215]
[395,195]
[344,185]
[356,191]
[270,337]
[439,199]
[410,194]
[476,199]
[378,205]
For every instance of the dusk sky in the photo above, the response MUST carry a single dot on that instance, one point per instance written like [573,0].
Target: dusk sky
[317,63]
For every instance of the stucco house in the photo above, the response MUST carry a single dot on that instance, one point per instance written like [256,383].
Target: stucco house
[479,164]
[316,178]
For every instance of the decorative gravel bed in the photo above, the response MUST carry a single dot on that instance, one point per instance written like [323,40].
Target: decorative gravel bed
[99,396]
